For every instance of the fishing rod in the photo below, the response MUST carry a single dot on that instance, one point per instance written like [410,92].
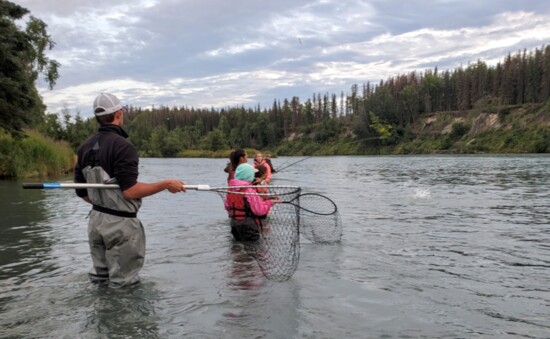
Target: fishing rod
[350,142]
[294,163]
[282,165]
[285,162]
[346,143]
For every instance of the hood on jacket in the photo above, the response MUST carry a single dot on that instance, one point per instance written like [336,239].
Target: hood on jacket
[237,182]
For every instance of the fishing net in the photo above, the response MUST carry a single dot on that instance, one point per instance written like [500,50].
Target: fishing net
[273,240]
[320,220]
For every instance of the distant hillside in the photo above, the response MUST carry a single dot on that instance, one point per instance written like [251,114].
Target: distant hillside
[509,129]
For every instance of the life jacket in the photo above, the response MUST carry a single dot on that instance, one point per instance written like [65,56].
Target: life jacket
[239,208]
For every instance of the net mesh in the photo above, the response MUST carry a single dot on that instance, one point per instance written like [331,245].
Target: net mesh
[320,220]
[277,248]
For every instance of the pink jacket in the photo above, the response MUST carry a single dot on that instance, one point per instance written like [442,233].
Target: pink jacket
[258,206]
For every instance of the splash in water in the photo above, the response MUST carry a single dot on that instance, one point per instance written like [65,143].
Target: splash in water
[421,193]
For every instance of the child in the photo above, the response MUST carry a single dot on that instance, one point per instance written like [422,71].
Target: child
[244,206]
[259,179]
[259,160]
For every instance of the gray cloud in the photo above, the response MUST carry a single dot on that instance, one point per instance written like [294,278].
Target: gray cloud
[218,53]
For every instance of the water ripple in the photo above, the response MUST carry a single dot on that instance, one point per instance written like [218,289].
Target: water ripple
[433,246]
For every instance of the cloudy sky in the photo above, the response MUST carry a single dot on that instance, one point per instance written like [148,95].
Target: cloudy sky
[224,53]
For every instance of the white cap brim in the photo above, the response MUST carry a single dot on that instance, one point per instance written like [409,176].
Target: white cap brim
[108,111]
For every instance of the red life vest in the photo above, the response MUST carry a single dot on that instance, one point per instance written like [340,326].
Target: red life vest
[239,208]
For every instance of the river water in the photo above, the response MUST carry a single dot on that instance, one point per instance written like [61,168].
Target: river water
[433,246]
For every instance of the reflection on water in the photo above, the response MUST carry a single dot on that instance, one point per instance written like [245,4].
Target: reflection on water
[258,307]
[46,309]
[23,243]
[123,312]
[245,274]
[433,246]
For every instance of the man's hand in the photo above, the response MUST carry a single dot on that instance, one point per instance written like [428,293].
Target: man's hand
[175,185]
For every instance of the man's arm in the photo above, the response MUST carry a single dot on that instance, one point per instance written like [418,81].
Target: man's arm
[142,189]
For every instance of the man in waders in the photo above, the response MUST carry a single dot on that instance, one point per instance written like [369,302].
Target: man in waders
[116,235]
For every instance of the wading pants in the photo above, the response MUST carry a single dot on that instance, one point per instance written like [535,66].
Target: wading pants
[117,246]
[245,230]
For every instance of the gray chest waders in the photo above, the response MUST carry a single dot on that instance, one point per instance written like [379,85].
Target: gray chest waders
[116,236]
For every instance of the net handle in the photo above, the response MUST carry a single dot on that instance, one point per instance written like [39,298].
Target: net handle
[200,187]
[73,185]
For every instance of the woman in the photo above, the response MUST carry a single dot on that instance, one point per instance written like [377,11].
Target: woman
[236,157]
[244,206]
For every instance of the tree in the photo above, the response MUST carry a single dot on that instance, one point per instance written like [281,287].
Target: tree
[23,60]
[224,126]
[383,104]
[173,143]
[430,92]
[384,130]
[51,127]
[157,141]
[327,130]
[410,103]
[215,140]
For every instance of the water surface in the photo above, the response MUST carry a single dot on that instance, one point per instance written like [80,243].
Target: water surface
[433,246]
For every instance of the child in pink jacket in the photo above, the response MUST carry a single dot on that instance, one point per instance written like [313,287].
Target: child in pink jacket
[245,210]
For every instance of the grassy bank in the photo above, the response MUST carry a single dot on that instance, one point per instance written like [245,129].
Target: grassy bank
[506,129]
[516,129]
[33,156]
[215,154]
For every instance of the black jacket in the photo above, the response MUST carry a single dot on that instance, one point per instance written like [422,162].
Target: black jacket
[116,155]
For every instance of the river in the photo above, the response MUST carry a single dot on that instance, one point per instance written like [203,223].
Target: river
[432,246]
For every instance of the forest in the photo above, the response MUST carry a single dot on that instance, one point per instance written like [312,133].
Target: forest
[368,118]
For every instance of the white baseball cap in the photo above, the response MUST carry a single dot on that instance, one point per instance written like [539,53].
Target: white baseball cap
[108,104]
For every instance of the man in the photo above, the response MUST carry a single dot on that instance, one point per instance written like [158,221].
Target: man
[116,235]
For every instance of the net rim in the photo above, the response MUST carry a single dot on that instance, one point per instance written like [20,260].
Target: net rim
[292,190]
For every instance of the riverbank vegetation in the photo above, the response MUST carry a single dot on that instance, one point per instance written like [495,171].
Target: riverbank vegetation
[33,156]
[478,108]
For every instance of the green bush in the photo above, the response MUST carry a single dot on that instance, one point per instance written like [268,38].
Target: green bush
[33,156]
[8,149]
[458,130]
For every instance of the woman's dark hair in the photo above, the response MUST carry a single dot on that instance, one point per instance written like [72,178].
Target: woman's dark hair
[235,156]
[229,167]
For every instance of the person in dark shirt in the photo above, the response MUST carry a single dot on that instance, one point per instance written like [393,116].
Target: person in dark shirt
[116,236]
[268,162]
